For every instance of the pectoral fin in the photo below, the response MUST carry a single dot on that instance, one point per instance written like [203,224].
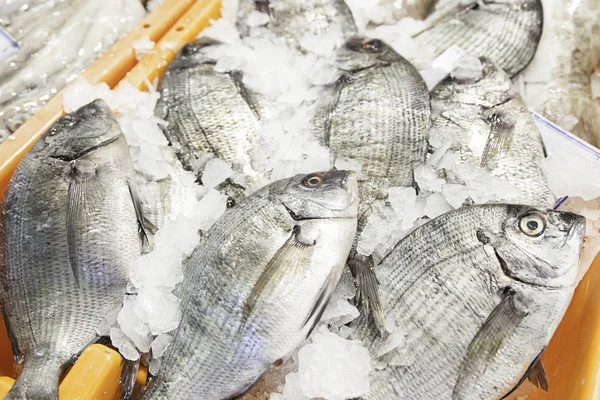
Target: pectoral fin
[321,300]
[137,204]
[499,140]
[484,347]
[291,258]
[367,290]
[534,374]
[85,196]
[129,370]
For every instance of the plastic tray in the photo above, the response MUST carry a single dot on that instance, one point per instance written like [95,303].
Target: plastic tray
[572,359]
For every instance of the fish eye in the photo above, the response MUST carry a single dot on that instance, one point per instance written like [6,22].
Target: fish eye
[314,180]
[372,45]
[533,224]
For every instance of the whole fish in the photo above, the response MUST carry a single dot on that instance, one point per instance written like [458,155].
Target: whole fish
[258,283]
[557,82]
[505,31]
[71,227]
[293,20]
[377,113]
[486,122]
[209,113]
[475,296]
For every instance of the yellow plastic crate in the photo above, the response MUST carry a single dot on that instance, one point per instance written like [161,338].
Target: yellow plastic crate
[572,359]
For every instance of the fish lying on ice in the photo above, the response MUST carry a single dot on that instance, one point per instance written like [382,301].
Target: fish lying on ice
[486,122]
[557,82]
[506,31]
[257,284]
[475,296]
[378,114]
[294,20]
[70,233]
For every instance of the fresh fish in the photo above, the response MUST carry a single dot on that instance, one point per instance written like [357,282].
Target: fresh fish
[557,83]
[486,122]
[71,227]
[292,20]
[209,113]
[81,38]
[257,285]
[475,296]
[505,31]
[377,113]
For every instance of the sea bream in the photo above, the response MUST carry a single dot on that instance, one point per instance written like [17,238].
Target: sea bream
[484,121]
[376,114]
[505,31]
[472,299]
[293,20]
[257,284]
[71,232]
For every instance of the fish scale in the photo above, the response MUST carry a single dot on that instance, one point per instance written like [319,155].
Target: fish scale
[52,307]
[442,285]
[506,32]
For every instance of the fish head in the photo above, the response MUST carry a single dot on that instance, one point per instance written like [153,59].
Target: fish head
[320,195]
[541,246]
[80,132]
[360,53]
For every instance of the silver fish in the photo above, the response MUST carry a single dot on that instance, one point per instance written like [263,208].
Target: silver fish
[291,20]
[209,113]
[475,296]
[258,283]
[505,31]
[377,113]
[486,122]
[71,227]
[557,82]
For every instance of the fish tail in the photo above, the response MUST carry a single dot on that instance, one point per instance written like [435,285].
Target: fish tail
[38,379]
[367,290]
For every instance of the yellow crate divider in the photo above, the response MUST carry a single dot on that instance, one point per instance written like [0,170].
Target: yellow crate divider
[175,23]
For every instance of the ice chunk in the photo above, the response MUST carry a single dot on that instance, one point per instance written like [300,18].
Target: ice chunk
[148,130]
[154,366]
[209,209]
[256,18]
[380,225]
[572,176]
[161,267]
[334,368]
[132,326]
[468,67]
[81,92]
[436,205]
[120,341]
[162,307]
[428,179]
[348,164]
[180,234]
[142,47]
[404,202]
[160,344]
[292,389]
[340,312]
[215,172]
[109,321]
[393,341]
[455,194]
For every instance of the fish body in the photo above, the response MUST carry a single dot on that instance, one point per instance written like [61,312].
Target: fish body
[293,20]
[475,296]
[506,31]
[557,82]
[258,283]
[209,113]
[69,238]
[486,122]
[378,114]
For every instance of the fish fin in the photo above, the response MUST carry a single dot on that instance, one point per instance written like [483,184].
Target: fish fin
[14,344]
[367,290]
[237,78]
[287,262]
[85,191]
[484,347]
[499,140]
[139,214]
[534,374]
[321,301]
[129,370]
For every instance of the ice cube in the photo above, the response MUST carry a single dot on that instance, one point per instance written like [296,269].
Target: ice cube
[572,176]
[340,312]
[161,267]
[257,18]
[404,202]
[455,194]
[215,172]
[348,164]
[393,341]
[160,344]
[292,389]
[154,367]
[379,227]
[132,326]
[121,342]
[436,205]
[180,234]
[209,209]
[162,307]
[428,179]
[468,67]
[334,368]
[109,321]
[142,47]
